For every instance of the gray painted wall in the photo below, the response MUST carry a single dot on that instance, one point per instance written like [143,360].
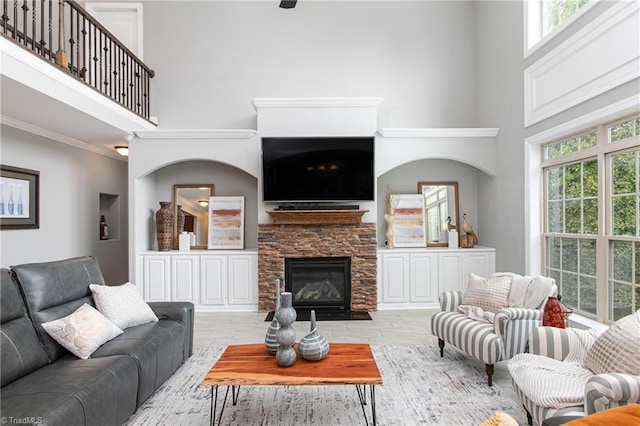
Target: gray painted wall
[213,57]
[71,181]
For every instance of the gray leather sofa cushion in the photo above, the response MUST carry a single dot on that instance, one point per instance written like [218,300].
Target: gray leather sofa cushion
[21,351]
[53,290]
[156,347]
[75,392]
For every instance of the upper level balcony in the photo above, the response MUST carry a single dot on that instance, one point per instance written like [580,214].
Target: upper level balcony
[66,77]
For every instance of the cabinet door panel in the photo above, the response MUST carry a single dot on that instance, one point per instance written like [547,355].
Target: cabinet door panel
[241,279]
[213,274]
[480,264]
[184,277]
[424,277]
[451,273]
[395,278]
[156,278]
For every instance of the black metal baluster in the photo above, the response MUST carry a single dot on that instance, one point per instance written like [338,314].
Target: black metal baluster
[84,49]
[25,9]
[50,30]
[71,40]
[33,25]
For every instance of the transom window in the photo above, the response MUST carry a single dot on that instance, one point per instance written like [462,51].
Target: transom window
[592,218]
[545,17]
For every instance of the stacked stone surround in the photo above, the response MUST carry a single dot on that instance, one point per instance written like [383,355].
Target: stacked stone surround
[358,241]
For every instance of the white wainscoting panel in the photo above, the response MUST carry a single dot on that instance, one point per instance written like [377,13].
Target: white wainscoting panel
[599,57]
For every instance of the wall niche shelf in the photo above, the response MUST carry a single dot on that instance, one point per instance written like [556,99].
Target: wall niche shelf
[310,217]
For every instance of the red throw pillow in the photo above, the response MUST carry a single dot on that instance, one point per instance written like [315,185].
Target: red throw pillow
[552,315]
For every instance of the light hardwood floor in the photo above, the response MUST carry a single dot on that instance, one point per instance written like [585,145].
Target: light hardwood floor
[409,327]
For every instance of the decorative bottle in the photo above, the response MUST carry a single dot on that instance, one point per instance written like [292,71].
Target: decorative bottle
[10,203]
[164,226]
[286,335]
[270,339]
[104,229]
[313,346]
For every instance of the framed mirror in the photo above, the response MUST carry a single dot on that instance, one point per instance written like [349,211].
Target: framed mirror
[440,203]
[193,200]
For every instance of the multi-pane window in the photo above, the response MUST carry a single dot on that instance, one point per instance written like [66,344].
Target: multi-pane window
[546,16]
[592,219]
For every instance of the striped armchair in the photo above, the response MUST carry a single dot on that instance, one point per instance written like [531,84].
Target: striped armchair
[601,391]
[488,342]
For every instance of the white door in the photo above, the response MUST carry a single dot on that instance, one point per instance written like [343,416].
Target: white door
[123,20]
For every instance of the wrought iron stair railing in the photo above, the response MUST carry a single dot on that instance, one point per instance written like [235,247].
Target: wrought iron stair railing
[83,47]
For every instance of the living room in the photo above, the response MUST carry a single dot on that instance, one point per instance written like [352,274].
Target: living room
[455,94]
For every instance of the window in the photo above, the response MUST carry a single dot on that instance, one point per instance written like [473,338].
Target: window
[591,230]
[546,17]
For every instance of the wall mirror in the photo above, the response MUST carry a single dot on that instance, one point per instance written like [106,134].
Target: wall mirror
[440,203]
[193,200]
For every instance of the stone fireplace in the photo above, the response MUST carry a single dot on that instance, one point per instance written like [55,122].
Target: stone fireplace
[354,241]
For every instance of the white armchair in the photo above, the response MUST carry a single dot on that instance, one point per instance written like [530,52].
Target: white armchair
[553,379]
[507,334]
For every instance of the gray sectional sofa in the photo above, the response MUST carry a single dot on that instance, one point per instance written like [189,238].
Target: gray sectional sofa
[43,383]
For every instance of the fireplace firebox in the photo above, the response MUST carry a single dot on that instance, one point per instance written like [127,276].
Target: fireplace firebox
[319,283]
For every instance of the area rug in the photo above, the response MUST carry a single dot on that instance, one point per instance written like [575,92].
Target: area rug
[420,388]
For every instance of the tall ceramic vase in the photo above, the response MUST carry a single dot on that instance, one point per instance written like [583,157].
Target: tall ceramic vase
[286,335]
[389,219]
[313,346]
[180,220]
[164,226]
[270,340]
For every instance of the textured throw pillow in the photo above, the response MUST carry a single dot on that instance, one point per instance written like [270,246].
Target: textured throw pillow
[490,294]
[537,292]
[122,304]
[617,350]
[82,332]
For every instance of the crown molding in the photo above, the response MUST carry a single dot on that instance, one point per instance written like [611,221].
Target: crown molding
[196,134]
[45,133]
[326,102]
[479,132]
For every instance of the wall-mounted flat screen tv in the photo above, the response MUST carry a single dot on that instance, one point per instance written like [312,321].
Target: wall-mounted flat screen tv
[318,169]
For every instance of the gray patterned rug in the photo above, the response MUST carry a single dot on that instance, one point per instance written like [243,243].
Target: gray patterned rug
[420,388]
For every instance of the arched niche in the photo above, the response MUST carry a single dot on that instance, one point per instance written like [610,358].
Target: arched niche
[158,185]
[404,179]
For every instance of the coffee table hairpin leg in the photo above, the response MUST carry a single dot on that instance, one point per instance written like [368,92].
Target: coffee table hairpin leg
[235,391]
[362,395]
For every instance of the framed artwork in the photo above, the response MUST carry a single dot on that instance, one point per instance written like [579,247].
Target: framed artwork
[19,198]
[408,222]
[226,223]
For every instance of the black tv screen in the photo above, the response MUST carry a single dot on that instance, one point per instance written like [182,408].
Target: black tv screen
[318,169]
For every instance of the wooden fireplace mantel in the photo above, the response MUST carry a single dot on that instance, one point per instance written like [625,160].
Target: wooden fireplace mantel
[306,217]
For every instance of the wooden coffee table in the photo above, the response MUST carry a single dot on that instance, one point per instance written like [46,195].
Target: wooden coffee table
[252,364]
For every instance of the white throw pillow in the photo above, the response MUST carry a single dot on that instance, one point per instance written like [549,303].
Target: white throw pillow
[82,332]
[490,294]
[122,304]
[617,350]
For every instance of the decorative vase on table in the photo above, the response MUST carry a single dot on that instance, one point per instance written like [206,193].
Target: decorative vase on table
[270,340]
[313,346]
[164,226]
[286,335]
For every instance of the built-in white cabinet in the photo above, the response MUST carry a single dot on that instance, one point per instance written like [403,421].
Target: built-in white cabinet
[213,281]
[414,278]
